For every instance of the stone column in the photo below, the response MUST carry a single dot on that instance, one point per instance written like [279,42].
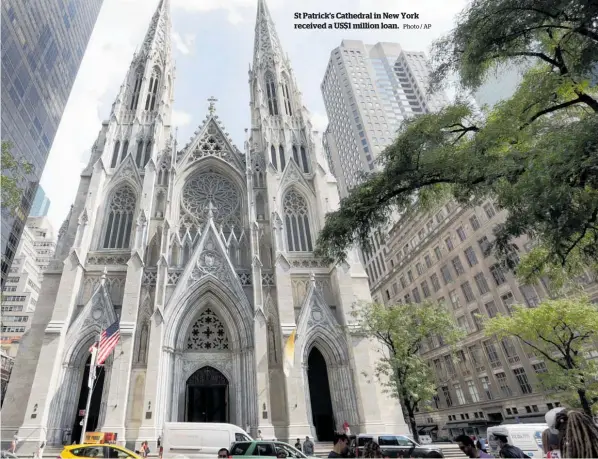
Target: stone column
[300,423]
[264,407]
[157,367]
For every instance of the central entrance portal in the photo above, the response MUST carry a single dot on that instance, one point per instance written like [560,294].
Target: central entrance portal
[206,396]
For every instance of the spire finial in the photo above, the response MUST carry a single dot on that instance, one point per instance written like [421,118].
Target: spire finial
[104,273]
[210,208]
[312,277]
[212,108]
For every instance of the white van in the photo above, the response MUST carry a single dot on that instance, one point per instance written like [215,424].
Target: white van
[527,437]
[199,439]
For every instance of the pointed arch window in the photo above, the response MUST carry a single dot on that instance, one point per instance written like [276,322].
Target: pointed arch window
[115,153]
[283,161]
[139,155]
[295,155]
[119,221]
[304,160]
[148,152]
[296,219]
[271,94]
[125,150]
[136,89]
[273,156]
[286,95]
[152,93]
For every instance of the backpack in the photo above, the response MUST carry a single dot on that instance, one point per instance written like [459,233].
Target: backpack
[510,451]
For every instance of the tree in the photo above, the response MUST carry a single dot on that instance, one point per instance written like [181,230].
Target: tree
[560,331]
[536,153]
[12,175]
[402,329]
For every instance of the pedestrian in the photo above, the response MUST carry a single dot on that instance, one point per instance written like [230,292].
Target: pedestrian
[40,449]
[340,446]
[14,444]
[145,449]
[469,448]
[372,450]
[308,446]
[298,444]
[506,450]
[347,428]
[578,433]
[259,435]
[223,453]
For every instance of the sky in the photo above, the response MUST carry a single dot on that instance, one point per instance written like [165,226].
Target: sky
[212,48]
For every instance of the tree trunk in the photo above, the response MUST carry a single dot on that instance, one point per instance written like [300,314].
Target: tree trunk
[412,424]
[585,403]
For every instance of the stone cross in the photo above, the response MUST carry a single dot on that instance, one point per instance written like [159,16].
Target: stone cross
[212,107]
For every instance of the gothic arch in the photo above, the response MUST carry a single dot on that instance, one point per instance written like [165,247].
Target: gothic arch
[298,221]
[234,312]
[118,219]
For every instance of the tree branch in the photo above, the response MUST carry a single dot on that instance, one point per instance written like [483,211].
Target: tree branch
[554,108]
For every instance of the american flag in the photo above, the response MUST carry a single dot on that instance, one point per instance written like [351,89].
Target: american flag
[108,342]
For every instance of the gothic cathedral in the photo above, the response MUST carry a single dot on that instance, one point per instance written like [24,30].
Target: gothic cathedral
[205,255]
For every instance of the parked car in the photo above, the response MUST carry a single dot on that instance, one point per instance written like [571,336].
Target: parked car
[99,451]
[394,446]
[265,448]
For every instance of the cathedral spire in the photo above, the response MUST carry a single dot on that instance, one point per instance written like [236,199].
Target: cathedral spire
[158,33]
[267,45]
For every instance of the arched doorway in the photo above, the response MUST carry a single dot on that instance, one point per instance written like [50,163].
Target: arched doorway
[96,402]
[319,391]
[206,397]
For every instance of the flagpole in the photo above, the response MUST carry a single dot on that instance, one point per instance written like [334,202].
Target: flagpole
[92,377]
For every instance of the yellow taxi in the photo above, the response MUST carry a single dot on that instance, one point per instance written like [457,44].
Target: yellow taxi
[100,451]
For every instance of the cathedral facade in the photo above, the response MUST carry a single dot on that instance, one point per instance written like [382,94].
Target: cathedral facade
[204,254]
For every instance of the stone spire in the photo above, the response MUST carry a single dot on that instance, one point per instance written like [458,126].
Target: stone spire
[157,36]
[267,45]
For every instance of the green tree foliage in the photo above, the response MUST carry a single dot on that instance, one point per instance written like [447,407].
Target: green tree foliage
[536,153]
[401,330]
[12,173]
[560,332]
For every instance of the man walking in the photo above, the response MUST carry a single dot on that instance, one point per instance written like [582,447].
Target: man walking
[467,445]
[507,450]
[308,447]
[340,445]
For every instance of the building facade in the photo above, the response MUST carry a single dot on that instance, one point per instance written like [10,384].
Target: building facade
[444,257]
[42,47]
[369,90]
[40,205]
[20,293]
[6,364]
[204,254]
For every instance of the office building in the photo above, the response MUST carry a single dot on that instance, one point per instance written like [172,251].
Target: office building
[40,205]
[43,43]
[369,90]
[6,364]
[443,256]
[20,292]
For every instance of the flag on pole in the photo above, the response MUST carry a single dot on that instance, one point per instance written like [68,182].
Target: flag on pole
[92,367]
[289,353]
[108,342]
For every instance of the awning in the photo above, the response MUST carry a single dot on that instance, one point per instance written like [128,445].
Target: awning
[426,429]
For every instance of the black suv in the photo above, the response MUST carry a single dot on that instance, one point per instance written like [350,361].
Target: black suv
[393,446]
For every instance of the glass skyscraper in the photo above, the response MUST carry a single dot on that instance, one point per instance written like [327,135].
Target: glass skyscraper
[43,43]
[41,204]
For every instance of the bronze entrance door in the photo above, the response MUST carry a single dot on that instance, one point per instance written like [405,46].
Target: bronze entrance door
[206,397]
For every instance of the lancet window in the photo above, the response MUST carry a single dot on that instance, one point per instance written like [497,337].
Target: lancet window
[296,155]
[304,160]
[286,97]
[115,153]
[283,161]
[139,155]
[152,94]
[136,89]
[273,156]
[271,94]
[125,150]
[119,221]
[296,219]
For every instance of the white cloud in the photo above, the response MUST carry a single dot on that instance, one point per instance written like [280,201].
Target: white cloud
[183,45]
[180,118]
[319,121]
